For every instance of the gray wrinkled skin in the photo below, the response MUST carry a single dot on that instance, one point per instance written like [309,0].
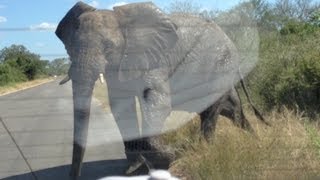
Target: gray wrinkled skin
[229,105]
[179,62]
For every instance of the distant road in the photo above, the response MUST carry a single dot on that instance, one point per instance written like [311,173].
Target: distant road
[39,142]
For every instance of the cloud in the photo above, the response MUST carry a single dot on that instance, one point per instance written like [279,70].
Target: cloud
[117,4]
[94,4]
[3,19]
[44,26]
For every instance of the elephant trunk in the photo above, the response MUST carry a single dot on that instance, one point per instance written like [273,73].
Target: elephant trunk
[82,95]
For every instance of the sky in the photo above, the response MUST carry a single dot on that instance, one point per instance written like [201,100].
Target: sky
[32,22]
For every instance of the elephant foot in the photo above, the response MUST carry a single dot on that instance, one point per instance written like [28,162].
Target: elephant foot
[148,153]
[140,166]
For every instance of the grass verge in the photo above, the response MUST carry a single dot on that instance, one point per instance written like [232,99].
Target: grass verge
[289,149]
[100,92]
[10,88]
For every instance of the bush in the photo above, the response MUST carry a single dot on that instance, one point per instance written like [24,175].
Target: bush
[19,64]
[289,71]
[300,86]
[10,75]
[294,27]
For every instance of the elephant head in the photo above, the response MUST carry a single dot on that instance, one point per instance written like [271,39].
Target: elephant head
[121,38]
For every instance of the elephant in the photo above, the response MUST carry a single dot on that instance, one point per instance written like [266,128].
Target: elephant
[168,62]
[230,106]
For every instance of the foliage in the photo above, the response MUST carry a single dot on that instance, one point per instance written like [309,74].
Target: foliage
[15,52]
[315,18]
[58,66]
[287,150]
[298,28]
[17,64]
[184,6]
[298,10]
[9,74]
[288,72]
[289,66]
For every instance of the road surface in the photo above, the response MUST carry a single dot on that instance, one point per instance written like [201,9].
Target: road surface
[36,136]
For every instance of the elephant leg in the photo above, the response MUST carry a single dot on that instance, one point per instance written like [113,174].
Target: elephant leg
[232,109]
[82,94]
[209,119]
[155,102]
[148,153]
[123,107]
[124,112]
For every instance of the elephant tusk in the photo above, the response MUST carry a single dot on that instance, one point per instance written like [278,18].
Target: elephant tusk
[64,80]
[101,78]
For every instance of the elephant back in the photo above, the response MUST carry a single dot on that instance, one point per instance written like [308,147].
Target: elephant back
[204,64]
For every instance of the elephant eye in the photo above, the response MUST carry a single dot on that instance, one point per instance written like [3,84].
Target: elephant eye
[146,93]
[107,43]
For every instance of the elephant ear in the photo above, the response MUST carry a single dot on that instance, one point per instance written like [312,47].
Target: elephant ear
[70,22]
[149,35]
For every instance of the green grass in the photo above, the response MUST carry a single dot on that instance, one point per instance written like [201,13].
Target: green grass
[314,136]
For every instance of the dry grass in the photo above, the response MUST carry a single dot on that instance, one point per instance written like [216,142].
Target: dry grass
[100,92]
[289,149]
[21,86]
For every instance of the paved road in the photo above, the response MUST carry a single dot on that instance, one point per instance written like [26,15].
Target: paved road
[36,136]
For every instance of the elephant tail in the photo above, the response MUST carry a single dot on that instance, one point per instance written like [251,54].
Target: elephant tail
[256,111]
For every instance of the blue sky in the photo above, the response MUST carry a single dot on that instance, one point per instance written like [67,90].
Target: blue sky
[32,23]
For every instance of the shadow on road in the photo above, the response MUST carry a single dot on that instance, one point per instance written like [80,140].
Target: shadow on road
[90,171]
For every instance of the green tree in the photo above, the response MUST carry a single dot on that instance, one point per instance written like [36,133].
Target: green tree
[15,52]
[9,74]
[184,6]
[293,10]
[59,66]
[19,57]
[315,18]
